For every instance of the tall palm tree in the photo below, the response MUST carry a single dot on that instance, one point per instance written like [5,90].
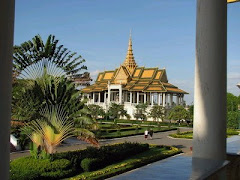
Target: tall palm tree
[35,50]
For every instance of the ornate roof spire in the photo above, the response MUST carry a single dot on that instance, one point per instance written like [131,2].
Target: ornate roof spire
[129,62]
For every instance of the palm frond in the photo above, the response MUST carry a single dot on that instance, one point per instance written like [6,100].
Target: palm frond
[38,69]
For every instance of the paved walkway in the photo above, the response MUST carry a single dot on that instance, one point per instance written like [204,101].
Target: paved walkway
[160,138]
[177,167]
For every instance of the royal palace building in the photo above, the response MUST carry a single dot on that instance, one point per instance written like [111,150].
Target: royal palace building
[130,85]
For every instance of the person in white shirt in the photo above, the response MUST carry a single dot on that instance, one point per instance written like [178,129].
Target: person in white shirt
[146,134]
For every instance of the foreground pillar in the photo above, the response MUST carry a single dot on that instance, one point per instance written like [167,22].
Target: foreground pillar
[209,137]
[6,50]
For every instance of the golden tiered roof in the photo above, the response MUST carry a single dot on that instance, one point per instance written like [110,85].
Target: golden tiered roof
[134,78]
[129,62]
[143,79]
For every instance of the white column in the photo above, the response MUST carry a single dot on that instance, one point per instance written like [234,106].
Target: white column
[164,100]
[109,96]
[182,97]
[171,100]
[99,95]
[209,138]
[151,95]
[177,99]
[131,96]
[93,97]
[6,52]
[159,99]
[145,97]
[137,97]
[120,95]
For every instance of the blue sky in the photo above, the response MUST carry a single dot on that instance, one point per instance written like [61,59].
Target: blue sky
[163,34]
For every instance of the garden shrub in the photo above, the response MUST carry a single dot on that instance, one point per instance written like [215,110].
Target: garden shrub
[130,164]
[91,164]
[30,168]
[61,165]
[107,155]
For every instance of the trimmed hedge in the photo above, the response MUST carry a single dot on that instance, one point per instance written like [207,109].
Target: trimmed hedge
[141,122]
[121,129]
[91,164]
[155,153]
[63,165]
[189,134]
[133,132]
[30,168]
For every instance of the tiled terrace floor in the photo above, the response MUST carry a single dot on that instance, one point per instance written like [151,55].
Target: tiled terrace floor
[174,168]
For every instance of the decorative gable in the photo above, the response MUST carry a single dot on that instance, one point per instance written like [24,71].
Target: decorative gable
[122,76]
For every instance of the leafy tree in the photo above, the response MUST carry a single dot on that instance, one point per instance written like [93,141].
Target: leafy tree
[232,102]
[157,112]
[232,119]
[191,112]
[96,111]
[116,111]
[32,51]
[232,111]
[141,111]
[178,113]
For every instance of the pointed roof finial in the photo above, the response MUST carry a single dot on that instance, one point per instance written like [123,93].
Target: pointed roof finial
[129,62]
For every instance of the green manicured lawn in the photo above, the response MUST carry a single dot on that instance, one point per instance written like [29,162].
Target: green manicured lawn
[189,134]
[155,153]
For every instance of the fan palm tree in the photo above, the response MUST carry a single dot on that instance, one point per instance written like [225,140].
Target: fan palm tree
[53,128]
[42,85]
[35,50]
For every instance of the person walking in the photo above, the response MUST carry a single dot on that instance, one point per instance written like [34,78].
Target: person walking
[146,134]
[151,133]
